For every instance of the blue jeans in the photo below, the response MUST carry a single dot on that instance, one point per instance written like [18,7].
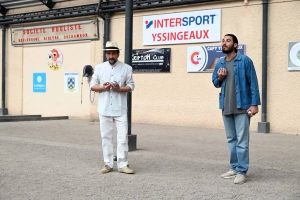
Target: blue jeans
[237,132]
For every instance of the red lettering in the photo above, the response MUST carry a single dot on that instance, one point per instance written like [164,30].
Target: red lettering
[160,24]
[179,36]
[186,35]
[159,38]
[172,22]
[205,34]
[164,37]
[173,36]
[178,22]
[166,22]
[153,36]
[200,34]
[192,35]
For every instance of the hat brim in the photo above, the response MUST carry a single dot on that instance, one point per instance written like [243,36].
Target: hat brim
[111,49]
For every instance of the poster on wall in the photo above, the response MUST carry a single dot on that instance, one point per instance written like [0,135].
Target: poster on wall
[151,60]
[184,27]
[39,82]
[71,82]
[294,56]
[204,58]
[54,59]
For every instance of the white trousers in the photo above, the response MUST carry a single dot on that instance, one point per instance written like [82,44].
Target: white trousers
[106,130]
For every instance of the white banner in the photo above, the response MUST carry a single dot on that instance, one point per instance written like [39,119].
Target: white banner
[185,27]
[71,82]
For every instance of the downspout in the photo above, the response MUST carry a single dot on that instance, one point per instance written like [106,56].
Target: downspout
[128,52]
[264,126]
[106,33]
[3,110]
[106,20]
[128,60]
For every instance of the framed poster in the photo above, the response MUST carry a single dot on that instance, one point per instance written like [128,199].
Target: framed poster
[151,60]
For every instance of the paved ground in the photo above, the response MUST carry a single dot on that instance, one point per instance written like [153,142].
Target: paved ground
[61,160]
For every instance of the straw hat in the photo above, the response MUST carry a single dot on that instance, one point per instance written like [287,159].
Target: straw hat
[110,45]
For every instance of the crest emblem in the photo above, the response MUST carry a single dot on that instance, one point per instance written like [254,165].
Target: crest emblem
[71,84]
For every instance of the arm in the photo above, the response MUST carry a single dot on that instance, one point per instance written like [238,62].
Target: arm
[129,82]
[252,80]
[95,83]
[100,88]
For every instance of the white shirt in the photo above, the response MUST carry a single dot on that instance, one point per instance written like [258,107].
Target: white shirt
[111,103]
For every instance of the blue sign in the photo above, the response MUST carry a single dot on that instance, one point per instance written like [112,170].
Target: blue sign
[204,58]
[39,82]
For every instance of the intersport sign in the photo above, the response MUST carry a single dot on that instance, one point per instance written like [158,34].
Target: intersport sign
[185,27]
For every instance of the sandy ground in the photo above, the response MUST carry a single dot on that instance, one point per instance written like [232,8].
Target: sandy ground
[61,159]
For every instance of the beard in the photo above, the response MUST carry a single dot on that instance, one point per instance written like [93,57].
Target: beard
[228,50]
[112,61]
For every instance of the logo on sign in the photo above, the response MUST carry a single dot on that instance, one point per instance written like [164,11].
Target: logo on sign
[148,24]
[71,84]
[198,59]
[39,82]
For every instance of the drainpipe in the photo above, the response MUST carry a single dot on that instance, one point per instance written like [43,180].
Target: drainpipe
[3,110]
[106,33]
[128,60]
[264,126]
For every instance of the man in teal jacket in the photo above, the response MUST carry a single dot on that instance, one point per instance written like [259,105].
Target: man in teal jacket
[239,99]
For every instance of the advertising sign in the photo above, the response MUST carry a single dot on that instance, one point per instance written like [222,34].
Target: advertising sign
[294,56]
[39,82]
[62,32]
[71,82]
[151,60]
[204,58]
[185,27]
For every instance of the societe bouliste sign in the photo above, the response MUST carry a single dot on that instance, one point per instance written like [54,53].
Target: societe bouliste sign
[62,32]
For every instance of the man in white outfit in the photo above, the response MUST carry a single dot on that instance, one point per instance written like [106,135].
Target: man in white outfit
[113,79]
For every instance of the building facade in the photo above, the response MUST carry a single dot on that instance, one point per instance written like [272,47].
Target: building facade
[177,97]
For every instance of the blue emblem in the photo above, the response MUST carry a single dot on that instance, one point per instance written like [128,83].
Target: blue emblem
[71,84]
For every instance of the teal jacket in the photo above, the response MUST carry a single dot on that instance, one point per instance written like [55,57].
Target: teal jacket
[246,84]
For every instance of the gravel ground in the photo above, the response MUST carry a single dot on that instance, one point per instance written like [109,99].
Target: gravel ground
[61,159]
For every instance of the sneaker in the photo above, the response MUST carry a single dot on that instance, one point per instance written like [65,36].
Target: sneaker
[126,170]
[230,174]
[106,169]
[240,179]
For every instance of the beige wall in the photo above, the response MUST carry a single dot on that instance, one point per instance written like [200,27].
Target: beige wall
[55,101]
[283,85]
[181,98]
